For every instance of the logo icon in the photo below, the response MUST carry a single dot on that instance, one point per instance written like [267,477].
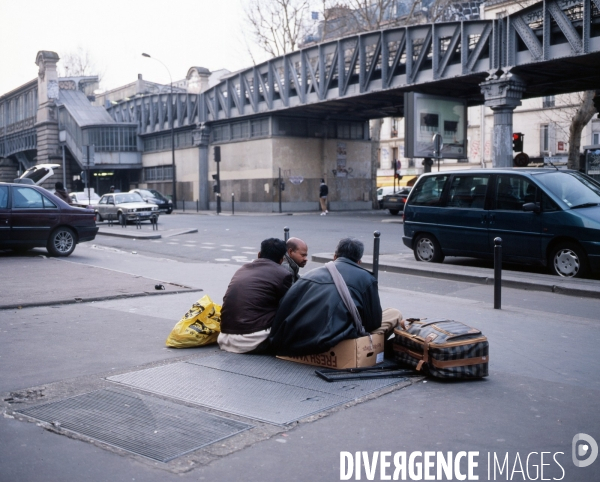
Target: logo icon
[589,448]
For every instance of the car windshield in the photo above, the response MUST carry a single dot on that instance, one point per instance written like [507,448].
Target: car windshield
[574,189]
[129,197]
[146,193]
[83,196]
[157,195]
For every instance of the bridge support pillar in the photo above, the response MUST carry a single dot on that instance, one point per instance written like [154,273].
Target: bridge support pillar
[502,95]
[201,139]
[46,118]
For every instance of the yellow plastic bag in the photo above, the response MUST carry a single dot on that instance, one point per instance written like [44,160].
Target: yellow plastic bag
[201,325]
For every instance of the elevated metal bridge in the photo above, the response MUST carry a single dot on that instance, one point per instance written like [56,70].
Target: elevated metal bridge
[552,47]
[549,48]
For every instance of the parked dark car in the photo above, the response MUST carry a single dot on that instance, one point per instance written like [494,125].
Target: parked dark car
[32,217]
[544,216]
[153,196]
[395,202]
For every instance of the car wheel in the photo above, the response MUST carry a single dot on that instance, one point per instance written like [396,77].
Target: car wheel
[169,211]
[98,217]
[427,248]
[61,242]
[394,212]
[568,260]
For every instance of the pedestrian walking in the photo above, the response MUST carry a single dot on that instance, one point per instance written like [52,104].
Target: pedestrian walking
[323,192]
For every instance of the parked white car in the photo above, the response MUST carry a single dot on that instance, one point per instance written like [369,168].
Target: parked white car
[125,206]
[84,199]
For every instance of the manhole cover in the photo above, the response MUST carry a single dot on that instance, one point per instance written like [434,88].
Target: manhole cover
[141,424]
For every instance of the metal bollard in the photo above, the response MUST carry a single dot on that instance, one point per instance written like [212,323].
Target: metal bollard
[376,242]
[286,234]
[197,205]
[497,273]
[183,206]
[138,221]
[110,219]
[218,203]
[232,204]
[154,222]
[122,220]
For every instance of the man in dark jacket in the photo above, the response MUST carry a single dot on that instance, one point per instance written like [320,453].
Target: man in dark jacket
[296,256]
[61,192]
[323,192]
[252,298]
[312,317]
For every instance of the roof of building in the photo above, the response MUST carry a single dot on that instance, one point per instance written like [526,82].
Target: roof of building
[82,110]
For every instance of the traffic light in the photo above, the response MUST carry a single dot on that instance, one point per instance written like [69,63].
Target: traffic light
[517,142]
[217,153]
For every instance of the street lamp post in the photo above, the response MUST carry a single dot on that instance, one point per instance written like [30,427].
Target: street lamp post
[172,131]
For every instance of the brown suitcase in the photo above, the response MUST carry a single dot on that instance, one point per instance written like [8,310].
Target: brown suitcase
[442,348]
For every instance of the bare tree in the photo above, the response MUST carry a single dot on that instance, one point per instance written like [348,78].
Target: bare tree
[79,63]
[584,114]
[570,118]
[277,26]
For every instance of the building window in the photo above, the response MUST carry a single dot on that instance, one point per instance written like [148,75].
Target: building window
[596,138]
[548,101]
[394,157]
[545,138]
[158,173]
[394,132]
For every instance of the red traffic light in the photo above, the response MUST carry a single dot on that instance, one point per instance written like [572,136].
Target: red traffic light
[517,142]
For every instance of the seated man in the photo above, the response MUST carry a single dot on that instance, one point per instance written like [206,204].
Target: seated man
[312,317]
[252,298]
[296,257]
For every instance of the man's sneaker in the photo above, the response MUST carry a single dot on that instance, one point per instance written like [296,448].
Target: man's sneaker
[326,212]
[323,214]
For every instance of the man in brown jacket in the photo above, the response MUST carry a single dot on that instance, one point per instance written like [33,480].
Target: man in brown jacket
[252,299]
[61,192]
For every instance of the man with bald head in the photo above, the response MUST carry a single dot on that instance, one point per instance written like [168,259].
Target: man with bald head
[296,257]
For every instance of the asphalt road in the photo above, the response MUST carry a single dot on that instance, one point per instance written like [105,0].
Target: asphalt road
[542,390]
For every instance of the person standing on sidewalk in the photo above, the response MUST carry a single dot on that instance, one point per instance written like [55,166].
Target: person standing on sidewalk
[61,192]
[323,192]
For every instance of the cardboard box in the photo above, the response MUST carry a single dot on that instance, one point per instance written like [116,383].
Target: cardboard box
[346,354]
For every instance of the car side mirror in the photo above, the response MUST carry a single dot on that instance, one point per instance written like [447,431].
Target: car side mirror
[531,207]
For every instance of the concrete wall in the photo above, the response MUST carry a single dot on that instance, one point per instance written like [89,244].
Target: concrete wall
[186,165]
[250,171]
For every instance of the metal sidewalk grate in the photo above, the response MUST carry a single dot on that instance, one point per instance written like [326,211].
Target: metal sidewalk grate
[250,397]
[258,387]
[141,424]
[290,373]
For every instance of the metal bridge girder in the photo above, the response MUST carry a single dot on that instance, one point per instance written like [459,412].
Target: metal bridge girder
[399,56]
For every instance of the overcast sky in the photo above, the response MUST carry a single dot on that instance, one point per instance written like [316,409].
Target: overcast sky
[181,33]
